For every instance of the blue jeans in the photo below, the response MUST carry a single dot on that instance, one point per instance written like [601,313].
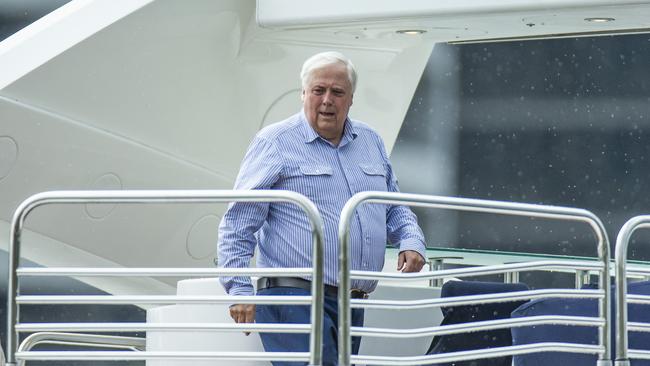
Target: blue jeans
[289,342]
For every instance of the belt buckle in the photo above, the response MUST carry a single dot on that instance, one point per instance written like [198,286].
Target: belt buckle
[358,294]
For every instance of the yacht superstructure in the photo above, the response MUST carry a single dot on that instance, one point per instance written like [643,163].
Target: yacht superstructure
[161,94]
[158,94]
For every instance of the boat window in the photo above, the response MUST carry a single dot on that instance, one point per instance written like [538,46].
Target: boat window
[557,122]
[17,14]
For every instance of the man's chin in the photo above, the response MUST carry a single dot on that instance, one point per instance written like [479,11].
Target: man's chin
[326,120]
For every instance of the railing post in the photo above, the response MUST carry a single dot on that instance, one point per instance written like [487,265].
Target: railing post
[511,277]
[12,283]
[438,264]
[620,258]
[583,277]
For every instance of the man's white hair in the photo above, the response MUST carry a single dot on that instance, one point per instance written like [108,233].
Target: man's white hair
[323,59]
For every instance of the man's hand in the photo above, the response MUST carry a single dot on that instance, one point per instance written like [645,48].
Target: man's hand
[243,313]
[409,261]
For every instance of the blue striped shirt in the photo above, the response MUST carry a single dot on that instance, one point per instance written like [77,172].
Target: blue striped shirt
[290,155]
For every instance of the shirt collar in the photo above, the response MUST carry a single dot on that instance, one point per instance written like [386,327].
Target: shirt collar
[307,131]
[309,134]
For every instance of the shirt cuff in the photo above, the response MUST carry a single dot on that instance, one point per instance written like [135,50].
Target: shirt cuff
[241,291]
[413,244]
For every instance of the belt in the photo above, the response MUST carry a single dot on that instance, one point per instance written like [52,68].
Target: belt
[331,291]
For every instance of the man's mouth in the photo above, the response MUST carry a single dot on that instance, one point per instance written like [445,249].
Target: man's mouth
[327,114]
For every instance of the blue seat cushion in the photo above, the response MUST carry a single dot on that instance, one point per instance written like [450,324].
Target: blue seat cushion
[575,334]
[471,313]
[555,333]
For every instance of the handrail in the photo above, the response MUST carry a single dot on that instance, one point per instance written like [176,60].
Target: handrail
[175,327]
[638,299]
[478,271]
[545,265]
[477,326]
[158,299]
[620,258]
[644,355]
[161,272]
[479,354]
[168,196]
[76,339]
[162,355]
[472,205]
[638,327]
[484,298]
[82,340]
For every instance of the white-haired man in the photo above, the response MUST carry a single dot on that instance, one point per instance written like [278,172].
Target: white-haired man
[328,157]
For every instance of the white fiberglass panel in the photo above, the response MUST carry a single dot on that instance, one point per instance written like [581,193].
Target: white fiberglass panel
[169,97]
[56,32]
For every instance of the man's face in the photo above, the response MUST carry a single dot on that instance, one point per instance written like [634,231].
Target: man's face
[327,99]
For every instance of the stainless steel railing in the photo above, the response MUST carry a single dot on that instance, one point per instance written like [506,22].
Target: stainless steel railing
[162,196]
[474,205]
[81,340]
[479,325]
[622,298]
[481,354]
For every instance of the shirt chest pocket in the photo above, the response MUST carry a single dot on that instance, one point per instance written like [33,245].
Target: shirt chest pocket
[315,170]
[312,180]
[373,177]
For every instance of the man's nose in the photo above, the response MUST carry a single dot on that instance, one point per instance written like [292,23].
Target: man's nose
[327,98]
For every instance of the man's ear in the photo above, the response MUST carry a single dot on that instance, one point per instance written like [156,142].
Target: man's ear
[302,95]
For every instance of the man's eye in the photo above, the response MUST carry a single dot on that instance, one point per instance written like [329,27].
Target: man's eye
[317,91]
[339,93]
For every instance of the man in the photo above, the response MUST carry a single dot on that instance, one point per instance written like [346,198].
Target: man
[326,156]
